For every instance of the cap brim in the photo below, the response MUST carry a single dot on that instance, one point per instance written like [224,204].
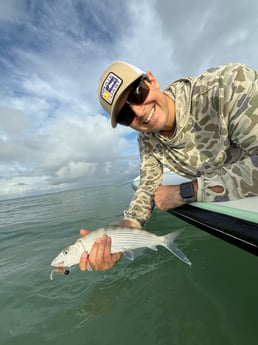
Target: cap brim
[117,106]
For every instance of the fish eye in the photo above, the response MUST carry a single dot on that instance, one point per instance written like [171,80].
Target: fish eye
[65,251]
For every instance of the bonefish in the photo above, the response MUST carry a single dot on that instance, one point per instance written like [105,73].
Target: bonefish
[123,239]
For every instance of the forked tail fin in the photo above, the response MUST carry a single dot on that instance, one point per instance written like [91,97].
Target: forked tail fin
[172,247]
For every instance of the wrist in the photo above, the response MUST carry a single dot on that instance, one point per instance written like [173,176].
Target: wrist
[188,191]
[130,223]
[195,187]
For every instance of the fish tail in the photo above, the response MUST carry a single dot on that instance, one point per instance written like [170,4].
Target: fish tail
[172,247]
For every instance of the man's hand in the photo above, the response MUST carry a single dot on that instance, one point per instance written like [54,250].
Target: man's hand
[167,197]
[100,257]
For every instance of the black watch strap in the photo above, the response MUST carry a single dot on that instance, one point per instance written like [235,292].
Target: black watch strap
[187,192]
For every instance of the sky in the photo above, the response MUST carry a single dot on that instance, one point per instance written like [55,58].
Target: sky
[54,135]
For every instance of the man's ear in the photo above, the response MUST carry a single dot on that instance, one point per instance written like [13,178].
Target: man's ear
[153,80]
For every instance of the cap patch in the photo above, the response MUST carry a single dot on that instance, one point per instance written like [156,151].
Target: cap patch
[110,87]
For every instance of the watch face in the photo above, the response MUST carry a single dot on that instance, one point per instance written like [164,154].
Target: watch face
[186,190]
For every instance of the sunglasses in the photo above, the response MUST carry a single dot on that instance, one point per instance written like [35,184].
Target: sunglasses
[137,95]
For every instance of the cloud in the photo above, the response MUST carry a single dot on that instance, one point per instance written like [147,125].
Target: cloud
[11,11]
[207,34]
[69,151]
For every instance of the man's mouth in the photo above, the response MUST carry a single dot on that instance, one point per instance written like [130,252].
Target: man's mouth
[150,116]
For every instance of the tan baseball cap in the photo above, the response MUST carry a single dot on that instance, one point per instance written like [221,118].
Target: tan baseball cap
[113,83]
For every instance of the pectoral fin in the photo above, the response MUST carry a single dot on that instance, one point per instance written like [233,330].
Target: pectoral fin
[129,254]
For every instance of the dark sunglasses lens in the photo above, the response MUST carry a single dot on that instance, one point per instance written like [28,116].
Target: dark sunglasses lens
[139,93]
[125,116]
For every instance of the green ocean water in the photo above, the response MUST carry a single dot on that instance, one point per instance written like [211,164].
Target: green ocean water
[154,300]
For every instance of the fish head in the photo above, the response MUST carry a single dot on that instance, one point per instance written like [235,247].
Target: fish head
[69,256]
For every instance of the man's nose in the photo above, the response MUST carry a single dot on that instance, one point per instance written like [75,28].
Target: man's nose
[138,109]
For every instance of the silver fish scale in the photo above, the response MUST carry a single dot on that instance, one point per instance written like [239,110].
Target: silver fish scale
[123,238]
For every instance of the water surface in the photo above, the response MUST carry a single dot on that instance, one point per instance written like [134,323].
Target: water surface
[155,299]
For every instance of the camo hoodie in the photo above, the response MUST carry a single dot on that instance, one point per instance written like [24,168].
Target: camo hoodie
[216,139]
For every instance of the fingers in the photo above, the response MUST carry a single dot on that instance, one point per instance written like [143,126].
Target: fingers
[84,261]
[100,257]
[84,232]
[101,251]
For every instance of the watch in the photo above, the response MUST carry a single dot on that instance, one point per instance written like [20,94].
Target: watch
[187,192]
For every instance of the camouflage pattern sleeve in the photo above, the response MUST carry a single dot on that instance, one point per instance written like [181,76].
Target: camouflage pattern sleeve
[239,102]
[239,180]
[142,203]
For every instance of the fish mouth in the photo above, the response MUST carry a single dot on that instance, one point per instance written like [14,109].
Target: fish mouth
[57,264]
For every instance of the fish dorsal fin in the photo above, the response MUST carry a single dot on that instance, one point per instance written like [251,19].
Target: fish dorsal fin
[129,254]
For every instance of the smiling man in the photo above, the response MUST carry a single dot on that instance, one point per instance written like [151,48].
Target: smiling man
[204,128]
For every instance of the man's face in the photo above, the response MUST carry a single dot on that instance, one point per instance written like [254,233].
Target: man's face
[153,114]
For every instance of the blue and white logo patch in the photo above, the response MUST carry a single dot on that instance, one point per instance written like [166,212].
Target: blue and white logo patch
[110,87]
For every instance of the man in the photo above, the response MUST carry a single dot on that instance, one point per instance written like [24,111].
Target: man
[205,128]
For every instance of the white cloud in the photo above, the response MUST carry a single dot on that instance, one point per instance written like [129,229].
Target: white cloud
[12,121]
[68,150]
[210,33]
[11,11]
